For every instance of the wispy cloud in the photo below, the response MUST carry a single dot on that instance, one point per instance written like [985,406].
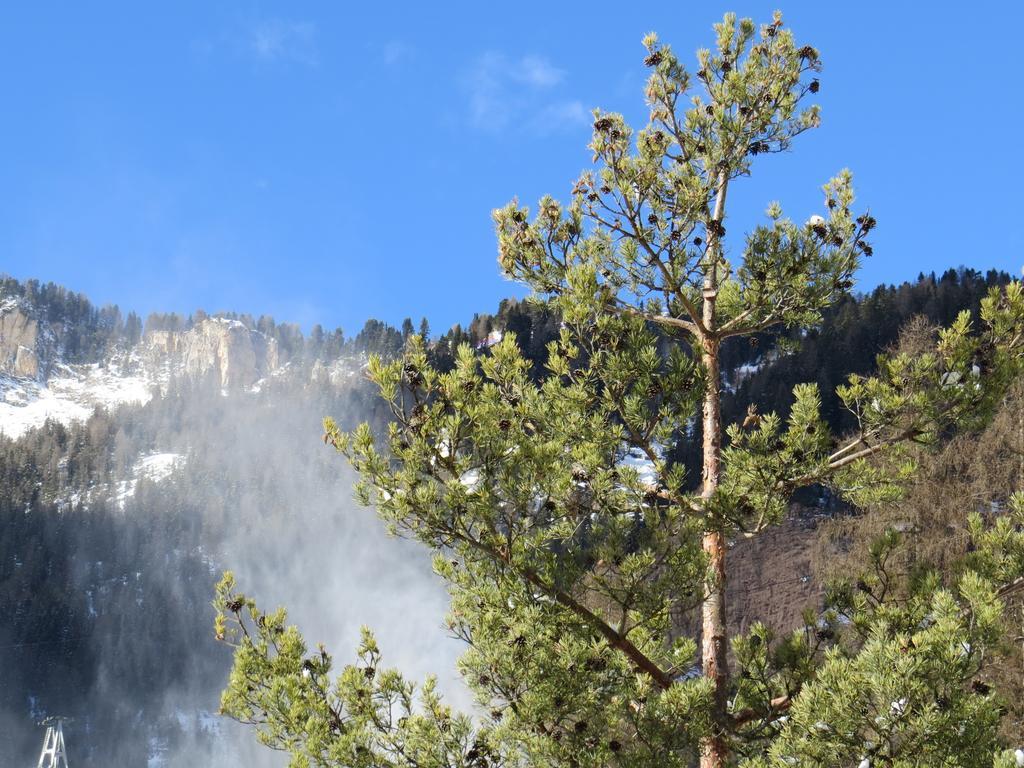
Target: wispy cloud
[536,71]
[560,116]
[280,40]
[504,90]
[396,51]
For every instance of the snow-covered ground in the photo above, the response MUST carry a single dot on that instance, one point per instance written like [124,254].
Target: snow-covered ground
[741,373]
[155,467]
[158,748]
[746,370]
[638,461]
[71,394]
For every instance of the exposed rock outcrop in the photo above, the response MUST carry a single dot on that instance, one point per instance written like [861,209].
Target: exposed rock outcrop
[236,355]
[19,340]
[336,373]
[163,343]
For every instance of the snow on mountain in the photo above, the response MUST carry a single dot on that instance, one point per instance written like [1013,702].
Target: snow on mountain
[59,362]
[638,461]
[155,467]
[70,394]
[158,466]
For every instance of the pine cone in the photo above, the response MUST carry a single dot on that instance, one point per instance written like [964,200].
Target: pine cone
[235,605]
[654,59]
[753,419]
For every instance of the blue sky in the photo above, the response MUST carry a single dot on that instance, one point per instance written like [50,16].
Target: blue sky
[329,162]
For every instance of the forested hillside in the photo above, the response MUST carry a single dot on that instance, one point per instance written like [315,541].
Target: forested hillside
[115,529]
[114,532]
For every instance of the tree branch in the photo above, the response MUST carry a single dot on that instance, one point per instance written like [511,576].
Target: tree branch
[873,449]
[641,661]
[777,706]
[671,322]
[616,640]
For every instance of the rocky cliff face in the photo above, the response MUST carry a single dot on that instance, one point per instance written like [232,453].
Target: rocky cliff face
[19,342]
[63,369]
[236,355]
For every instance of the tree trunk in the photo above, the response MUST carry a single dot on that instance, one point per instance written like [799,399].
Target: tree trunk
[714,640]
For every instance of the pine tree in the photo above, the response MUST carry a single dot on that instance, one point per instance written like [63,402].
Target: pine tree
[572,544]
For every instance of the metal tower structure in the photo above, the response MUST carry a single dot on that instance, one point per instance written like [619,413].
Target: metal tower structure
[54,754]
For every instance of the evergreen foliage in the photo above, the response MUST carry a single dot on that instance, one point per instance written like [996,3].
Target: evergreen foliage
[568,560]
[87,586]
[86,333]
